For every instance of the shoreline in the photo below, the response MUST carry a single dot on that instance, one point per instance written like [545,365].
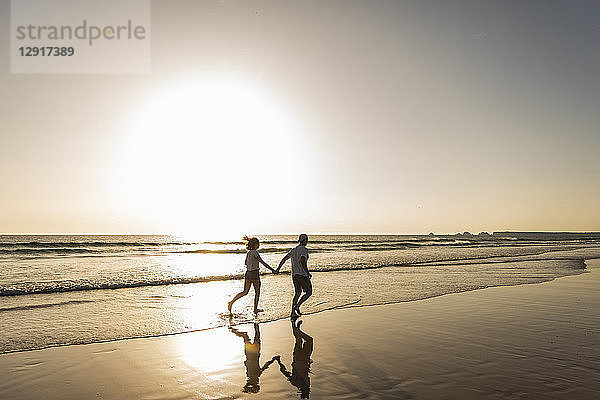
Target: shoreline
[523,341]
[351,304]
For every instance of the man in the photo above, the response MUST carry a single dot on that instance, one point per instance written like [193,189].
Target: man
[300,275]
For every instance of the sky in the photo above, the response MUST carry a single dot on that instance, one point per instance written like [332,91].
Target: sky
[316,116]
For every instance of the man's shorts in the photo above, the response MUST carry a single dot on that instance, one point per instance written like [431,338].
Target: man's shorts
[302,282]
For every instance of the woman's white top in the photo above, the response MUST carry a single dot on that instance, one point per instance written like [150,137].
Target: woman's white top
[252,258]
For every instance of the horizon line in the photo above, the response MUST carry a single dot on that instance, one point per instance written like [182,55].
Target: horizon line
[491,232]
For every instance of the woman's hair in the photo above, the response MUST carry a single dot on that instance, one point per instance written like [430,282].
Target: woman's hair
[252,244]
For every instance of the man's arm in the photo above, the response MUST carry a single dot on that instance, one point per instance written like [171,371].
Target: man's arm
[304,266]
[283,369]
[283,260]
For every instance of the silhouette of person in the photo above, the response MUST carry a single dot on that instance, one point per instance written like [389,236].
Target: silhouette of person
[252,276]
[300,274]
[303,348]
[252,363]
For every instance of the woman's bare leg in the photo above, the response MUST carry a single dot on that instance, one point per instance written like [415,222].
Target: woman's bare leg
[256,294]
[240,294]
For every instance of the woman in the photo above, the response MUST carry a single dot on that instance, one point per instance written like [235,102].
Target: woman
[252,276]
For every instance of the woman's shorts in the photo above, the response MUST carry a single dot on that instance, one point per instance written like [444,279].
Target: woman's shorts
[252,275]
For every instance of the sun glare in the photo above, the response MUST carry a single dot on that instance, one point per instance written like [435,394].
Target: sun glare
[203,152]
[223,348]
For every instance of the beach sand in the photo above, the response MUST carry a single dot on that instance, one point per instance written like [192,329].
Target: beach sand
[537,341]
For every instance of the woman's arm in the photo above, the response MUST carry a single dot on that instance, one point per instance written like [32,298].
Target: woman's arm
[267,365]
[264,263]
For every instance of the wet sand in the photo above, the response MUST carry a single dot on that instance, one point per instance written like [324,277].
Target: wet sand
[537,341]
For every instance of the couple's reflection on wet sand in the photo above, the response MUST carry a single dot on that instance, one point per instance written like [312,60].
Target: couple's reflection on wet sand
[300,368]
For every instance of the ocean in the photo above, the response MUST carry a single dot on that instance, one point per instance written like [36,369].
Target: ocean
[75,289]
